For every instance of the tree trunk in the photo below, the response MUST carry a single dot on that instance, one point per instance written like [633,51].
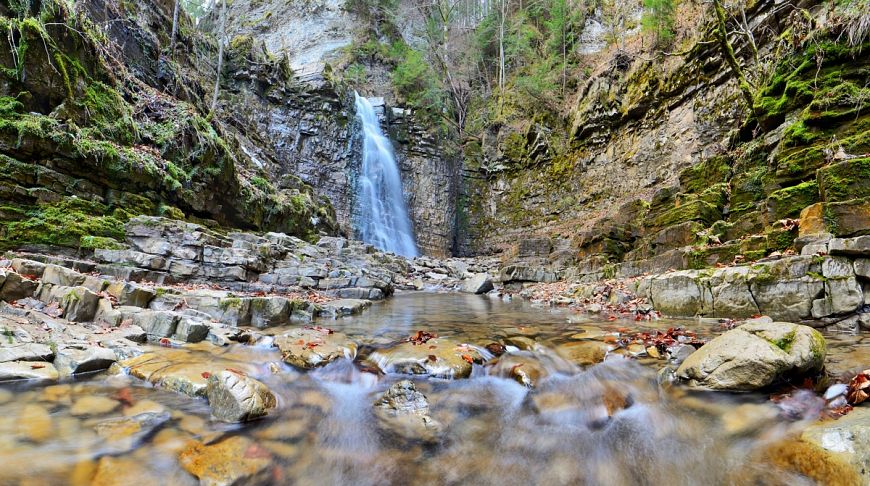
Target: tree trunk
[220,64]
[728,52]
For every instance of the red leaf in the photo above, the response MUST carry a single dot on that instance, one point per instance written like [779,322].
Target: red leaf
[467,358]
[165,342]
[205,374]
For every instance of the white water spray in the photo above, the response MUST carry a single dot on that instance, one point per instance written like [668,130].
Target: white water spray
[381,215]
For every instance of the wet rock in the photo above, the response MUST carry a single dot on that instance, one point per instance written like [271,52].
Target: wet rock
[27,370]
[753,356]
[129,293]
[523,367]
[121,471]
[91,405]
[124,434]
[403,411]
[439,357]
[343,307]
[232,461]
[480,283]
[83,359]
[179,370]
[585,352]
[847,438]
[35,423]
[234,397]
[311,347]
[24,351]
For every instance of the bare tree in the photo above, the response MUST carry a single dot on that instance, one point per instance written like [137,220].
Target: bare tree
[222,31]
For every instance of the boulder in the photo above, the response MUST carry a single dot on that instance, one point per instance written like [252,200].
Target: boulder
[234,397]
[311,347]
[439,357]
[480,283]
[191,329]
[754,356]
[404,412]
[527,273]
[584,352]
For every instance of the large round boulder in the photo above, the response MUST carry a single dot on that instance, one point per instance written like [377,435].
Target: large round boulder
[753,356]
[438,357]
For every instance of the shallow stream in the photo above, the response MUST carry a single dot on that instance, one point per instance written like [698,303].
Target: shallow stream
[607,424]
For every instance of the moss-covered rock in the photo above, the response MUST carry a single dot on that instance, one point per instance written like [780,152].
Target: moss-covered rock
[845,180]
[789,202]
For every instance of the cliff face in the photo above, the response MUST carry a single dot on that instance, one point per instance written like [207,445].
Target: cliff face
[100,122]
[311,129]
[664,165]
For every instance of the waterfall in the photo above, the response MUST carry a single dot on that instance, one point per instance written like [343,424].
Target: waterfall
[381,214]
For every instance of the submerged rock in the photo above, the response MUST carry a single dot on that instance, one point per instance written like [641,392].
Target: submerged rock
[234,397]
[314,346]
[439,357]
[232,461]
[585,352]
[753,356]
[847,438]
[123,434]
[403,411]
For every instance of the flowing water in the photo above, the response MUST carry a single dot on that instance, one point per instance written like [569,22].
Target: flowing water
[607,424]
[381,216]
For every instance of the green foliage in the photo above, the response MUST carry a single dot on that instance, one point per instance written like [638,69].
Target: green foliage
[658,19]
[415,81]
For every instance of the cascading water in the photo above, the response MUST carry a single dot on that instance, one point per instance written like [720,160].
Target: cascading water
[381,216]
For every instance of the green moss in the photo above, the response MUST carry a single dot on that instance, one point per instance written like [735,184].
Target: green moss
[230,303]
[788,202]
[701,176]
[786,342]
[64,223]
[845,180]
[101,242]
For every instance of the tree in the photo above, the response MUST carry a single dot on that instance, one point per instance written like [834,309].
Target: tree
[616,14]
[728,51]
[658,18]
[222,32]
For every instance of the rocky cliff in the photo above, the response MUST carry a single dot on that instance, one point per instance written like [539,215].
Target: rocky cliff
[101,121]
[660,164]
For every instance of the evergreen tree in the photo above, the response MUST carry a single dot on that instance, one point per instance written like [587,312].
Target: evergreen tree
[658,18]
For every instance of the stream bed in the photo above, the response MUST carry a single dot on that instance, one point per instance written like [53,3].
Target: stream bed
[612,423]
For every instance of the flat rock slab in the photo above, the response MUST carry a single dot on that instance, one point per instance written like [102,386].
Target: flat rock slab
[28,370]
[311,347]
[343,307]
[25,352]
[179,370]
[753,356]
[439,357]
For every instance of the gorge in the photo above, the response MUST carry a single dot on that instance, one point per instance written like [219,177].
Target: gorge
[595,242]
